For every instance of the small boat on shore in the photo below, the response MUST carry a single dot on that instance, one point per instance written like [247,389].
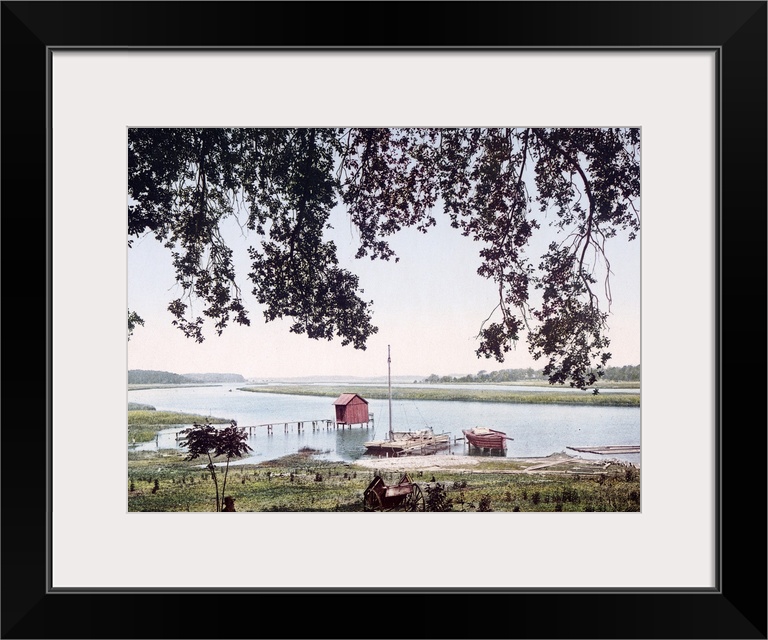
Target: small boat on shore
[485,438]
[400,443]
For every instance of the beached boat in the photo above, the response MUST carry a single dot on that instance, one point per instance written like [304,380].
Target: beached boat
[485,438]
[399,443]
[406,442]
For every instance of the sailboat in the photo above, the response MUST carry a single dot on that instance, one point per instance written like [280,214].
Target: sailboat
[397,443]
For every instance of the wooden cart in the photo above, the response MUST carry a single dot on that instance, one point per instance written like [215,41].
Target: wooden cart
[406,495]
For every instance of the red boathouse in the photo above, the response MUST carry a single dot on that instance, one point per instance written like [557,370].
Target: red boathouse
[351,409]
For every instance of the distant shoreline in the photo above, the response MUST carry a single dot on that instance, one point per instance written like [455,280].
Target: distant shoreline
[139,387]
[474,394]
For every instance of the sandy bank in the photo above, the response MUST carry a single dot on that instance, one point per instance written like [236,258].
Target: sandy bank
[431,462]
[554,463]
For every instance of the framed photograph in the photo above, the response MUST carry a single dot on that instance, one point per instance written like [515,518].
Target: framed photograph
[401,132]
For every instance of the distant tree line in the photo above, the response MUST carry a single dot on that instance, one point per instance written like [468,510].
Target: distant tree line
[148,376]
[138,406]
[214,377]
[627,373]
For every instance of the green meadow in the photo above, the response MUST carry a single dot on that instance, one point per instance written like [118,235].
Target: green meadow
[165,481]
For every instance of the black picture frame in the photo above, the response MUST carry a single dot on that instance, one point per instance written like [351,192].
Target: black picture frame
[736,608]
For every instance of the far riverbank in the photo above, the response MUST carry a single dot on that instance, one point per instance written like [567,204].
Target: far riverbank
[469,394]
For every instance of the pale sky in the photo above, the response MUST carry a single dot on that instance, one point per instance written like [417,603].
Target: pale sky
[429,307]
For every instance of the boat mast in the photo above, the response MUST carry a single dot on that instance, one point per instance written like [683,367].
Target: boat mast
[389,385]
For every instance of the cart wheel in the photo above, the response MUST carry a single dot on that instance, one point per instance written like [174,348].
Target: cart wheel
[373,502]
[414,501]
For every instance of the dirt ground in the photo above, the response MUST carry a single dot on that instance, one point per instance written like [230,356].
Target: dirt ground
[554,463]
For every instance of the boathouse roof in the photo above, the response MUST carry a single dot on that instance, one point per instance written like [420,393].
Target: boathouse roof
[346,398]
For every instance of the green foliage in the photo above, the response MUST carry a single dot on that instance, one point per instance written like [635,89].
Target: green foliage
[631,474]
[148,376]
[268,487]
[437,498]
[485,503]
[138,406]
[210,378]
[495,186]
[151,417]
[627,373]
[143,424]
[134,320]
[205,440]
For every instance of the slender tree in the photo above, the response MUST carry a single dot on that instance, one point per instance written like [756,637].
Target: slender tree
[200,440]
[205,440]
[230,442]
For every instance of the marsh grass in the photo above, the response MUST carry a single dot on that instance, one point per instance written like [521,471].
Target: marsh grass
[289,484]
[143,424]
[461,395]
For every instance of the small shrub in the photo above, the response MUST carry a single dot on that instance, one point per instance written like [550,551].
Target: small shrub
[515,509]
[536,498]
[437,500]
[485,503]
[570,495]
[156,486]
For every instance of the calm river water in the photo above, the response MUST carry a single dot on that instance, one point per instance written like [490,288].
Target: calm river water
[538,430]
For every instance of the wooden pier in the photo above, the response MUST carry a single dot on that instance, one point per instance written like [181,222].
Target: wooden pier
[425,449]
[299,426]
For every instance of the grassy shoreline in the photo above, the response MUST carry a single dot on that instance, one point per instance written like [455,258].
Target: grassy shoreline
[302,483]
[137,387]
[143,424]
[459,395]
